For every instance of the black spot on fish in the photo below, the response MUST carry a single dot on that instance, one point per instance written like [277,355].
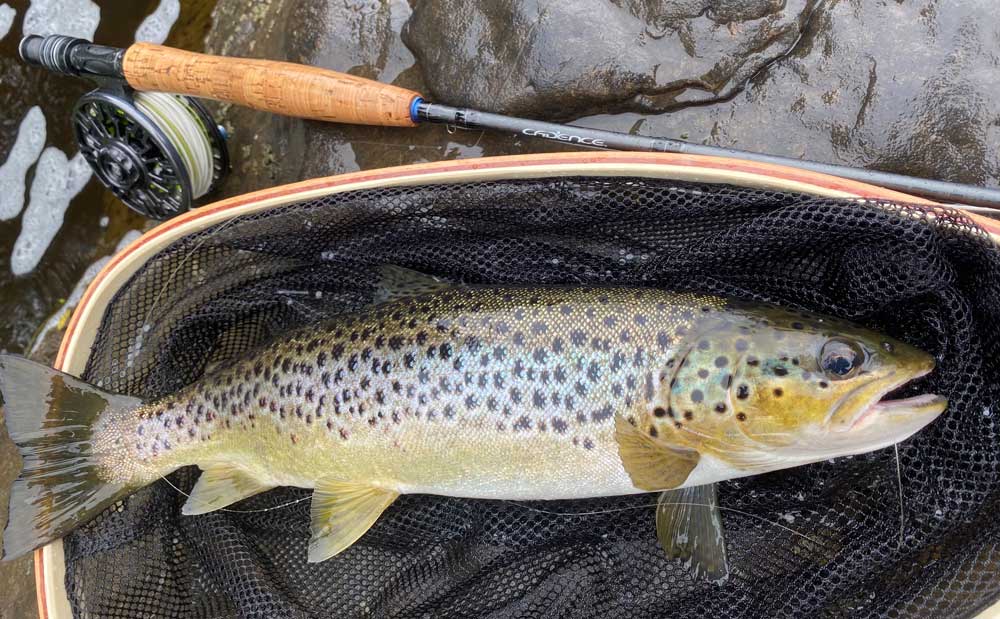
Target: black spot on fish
[518,368]
[352,363]
[697,396]
[601,414]
[449,411]
[689,415]
[720,407]
[577,337]
[445,351]
[559,425]
[780,371]
[702,373]
[778,392]
[538,327]
[515,395]
[741,416]
[753,361]
[659,411]
[594,371]
[560,374]
[366,353]
[581,389]
[522,423]
[704,345]
[663,340]
[726,381]
[823,384]
[396,386]
[721,361]
[538,399]
[653,432]
[518,338]
[540,356]
[742,392]
[286,365]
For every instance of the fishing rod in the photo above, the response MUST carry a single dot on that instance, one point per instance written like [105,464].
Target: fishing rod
[159,153]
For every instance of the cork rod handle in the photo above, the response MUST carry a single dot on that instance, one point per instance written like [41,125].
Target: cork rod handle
[279,87]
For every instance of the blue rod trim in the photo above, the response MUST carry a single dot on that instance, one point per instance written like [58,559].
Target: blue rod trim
[415,109]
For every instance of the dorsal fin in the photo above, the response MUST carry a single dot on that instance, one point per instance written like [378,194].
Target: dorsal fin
[398,282]
[651,464]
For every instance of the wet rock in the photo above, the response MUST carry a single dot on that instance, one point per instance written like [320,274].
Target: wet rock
[564,58]
[904,87]
[361,37]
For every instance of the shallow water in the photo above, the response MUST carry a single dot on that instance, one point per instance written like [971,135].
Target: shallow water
[50,258]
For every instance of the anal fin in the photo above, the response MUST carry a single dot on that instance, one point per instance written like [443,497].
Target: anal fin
[219,486]
[341,513]
[651,464]
[689,528]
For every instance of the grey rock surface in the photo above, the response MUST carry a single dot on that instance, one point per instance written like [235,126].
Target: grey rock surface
[561,58]
[908,87]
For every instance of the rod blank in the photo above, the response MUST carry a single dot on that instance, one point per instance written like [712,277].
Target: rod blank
[940,191]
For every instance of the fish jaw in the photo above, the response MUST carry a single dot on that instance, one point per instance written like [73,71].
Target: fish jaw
[881,424]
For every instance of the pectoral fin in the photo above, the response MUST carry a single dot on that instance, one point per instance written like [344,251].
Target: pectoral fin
[341,513]
[689,528]
[220,486]
[650,464]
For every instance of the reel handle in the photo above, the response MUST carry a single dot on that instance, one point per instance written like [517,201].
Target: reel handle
[279,87]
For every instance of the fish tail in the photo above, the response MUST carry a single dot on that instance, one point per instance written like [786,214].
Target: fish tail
[51,418]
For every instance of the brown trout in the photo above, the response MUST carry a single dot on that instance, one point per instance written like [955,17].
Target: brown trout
[493,392]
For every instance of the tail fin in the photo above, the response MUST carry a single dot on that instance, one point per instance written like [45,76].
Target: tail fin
[51,416]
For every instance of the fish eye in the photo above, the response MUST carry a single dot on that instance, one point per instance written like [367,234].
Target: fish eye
[840,359]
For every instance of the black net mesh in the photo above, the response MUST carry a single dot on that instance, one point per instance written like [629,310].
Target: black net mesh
[822,540]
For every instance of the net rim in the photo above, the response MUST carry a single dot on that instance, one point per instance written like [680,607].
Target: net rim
[78,339]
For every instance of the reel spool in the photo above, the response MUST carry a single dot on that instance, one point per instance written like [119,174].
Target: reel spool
[157,152]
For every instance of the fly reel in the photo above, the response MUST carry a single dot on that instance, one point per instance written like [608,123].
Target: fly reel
[157,152]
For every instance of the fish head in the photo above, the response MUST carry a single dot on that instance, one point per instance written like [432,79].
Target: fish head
[793,386]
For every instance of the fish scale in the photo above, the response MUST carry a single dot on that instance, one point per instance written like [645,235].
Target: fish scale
[419,380]
[500,392]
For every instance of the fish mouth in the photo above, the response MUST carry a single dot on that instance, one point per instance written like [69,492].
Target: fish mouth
[920,405]
[885,420]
